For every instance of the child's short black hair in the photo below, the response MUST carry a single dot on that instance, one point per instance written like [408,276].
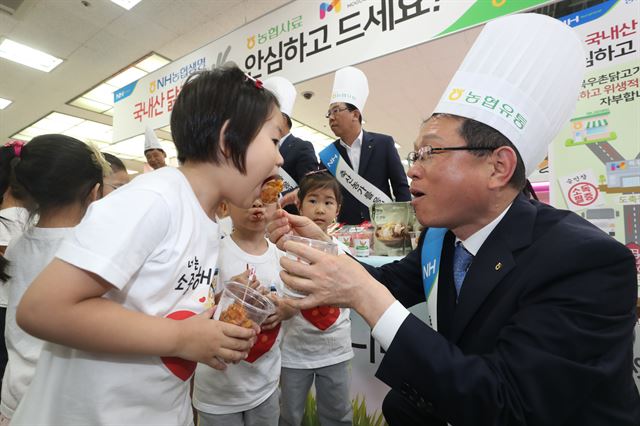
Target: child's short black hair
[53,171]
[116,164]
[206,102]
[320,179]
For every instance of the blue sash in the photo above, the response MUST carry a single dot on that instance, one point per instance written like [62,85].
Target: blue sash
[430,258]
[363,190]
[330,157]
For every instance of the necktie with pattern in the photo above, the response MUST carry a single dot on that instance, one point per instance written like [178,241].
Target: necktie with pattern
[461,261]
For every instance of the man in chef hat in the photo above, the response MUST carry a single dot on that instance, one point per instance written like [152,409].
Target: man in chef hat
[366,164]
[530,309]
[299,155]
[156,157]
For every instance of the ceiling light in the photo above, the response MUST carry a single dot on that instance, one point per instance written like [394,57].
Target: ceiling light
[90,105]
[84,130]
[152,63]
[28,56]
[4,103]
[127,76]
[126,4]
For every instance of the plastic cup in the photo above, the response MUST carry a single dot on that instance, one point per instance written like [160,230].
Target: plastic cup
[241,305]
[330,248]
[415,236]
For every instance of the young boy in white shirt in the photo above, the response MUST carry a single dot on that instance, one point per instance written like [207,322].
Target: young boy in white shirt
[246,394]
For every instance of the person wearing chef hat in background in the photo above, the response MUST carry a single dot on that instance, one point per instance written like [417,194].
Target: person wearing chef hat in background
[366,164]
[299,155]
[156,157]
[532,317]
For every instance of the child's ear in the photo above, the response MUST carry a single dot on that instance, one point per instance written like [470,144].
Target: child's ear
[95,193]
[338,210]
[222,146]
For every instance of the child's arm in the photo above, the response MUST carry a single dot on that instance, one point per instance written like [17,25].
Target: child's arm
[284,311]
[64,305]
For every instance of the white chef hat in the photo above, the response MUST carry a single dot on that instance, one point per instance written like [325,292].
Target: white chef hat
[151,140]
[522,77]
[350,86]
[285,92]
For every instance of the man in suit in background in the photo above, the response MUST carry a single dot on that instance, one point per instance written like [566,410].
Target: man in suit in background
[372,156]
[299,155]
[531,309]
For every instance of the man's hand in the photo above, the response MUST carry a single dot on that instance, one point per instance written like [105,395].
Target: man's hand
[333,280]
[282,223]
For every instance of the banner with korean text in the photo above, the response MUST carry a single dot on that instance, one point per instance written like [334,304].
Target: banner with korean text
[595,161]
[302,40]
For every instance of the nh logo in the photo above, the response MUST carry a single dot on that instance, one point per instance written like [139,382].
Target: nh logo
[429,268]
[328,7]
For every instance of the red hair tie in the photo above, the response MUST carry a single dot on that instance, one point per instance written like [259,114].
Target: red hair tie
[256,82]
[17,147]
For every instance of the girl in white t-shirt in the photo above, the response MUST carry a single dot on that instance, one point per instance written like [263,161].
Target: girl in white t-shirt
[13,220]
[246,394]
[316,342]
[55,177]
[124,303]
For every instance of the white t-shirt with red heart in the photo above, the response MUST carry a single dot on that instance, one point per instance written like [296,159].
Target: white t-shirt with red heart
[249,383]
[317,337]
[154,243]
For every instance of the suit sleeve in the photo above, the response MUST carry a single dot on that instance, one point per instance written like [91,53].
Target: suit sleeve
[397,175]
[307,160]
[572,330]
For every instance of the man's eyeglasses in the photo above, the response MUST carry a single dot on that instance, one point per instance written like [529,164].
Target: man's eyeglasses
[427,151]
[334,111]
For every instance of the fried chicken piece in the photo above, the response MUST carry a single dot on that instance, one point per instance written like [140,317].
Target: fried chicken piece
[271,190]
[236,314]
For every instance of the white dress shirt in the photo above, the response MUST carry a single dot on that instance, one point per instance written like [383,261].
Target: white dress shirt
[282,140]
[389,323]
[353,151]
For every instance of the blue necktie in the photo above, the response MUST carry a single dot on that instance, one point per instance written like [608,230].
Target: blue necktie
[461,261]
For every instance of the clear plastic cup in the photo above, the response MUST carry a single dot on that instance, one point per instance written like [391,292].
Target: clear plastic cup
[415,236]
[330,248]
[241,305]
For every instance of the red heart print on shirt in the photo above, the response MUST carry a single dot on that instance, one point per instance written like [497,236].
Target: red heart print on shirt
[321,316]
[181,368]
[264,342]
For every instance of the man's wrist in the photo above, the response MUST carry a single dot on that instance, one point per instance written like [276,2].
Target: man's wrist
[371,300]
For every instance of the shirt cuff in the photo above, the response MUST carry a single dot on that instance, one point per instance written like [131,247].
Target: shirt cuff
[389,323]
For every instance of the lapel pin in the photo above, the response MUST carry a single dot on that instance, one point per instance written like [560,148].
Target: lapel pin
[498,266]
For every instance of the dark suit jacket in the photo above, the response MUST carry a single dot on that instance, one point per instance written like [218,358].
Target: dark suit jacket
[299,159]
[379,164]
[542,334]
